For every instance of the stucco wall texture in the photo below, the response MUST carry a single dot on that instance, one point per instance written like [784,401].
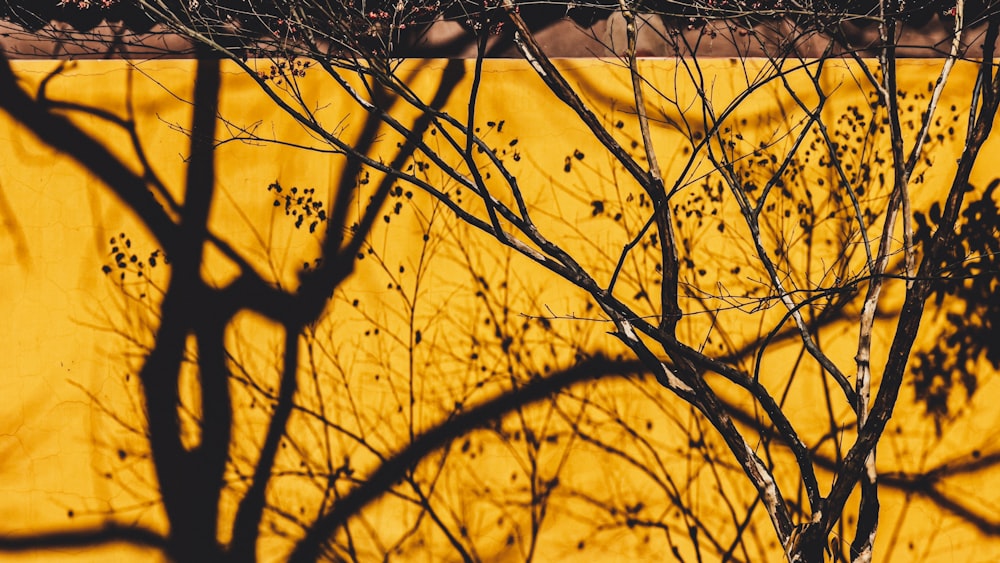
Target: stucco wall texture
[72,442]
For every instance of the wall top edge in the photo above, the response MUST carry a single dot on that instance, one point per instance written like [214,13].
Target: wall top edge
[563,37]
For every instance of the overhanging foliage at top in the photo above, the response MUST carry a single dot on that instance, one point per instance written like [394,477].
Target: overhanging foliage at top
[362,28]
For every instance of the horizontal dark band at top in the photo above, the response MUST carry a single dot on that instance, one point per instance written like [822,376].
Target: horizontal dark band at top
[435,28]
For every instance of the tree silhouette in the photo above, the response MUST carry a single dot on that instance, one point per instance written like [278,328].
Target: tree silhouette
[784,217]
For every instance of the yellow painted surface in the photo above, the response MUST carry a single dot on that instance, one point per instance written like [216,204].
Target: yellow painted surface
[71,445]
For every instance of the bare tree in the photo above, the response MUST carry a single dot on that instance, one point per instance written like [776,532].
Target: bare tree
[824,187]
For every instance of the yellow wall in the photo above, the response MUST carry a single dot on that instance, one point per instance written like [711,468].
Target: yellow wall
[68,353]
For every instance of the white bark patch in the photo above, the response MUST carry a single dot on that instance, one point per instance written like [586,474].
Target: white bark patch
[519,41]
[865,556]
[629,331]
[870,467]
[770,490]
[675,383]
